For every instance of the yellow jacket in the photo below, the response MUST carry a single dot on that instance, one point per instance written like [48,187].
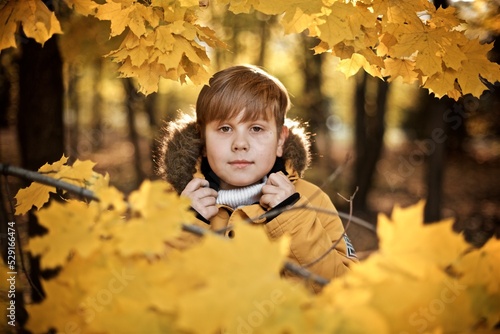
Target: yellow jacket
[312,222]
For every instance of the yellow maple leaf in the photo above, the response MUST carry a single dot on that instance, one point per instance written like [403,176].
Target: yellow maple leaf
[84,7]
[477,64]
[443,83]
[480,266]
[352,65]
[414,247]
[9,25]
[395,11]
[110,197]
[298,14]
[164,39]
[404,68]
[154,195]
[80,174]
[232,283]
[38,21]
[344,23]
[70,228]
[59,309]
[116,14]
[405,286]
[140,16]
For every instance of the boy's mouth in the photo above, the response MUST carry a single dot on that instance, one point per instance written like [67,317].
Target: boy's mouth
[240,163]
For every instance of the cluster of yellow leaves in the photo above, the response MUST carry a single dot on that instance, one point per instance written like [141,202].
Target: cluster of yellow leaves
[386,38]
[80,173]
[119,274]
[390,39]
[162,39]
[37,20]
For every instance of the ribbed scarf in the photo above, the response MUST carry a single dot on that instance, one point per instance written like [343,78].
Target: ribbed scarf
[241,196]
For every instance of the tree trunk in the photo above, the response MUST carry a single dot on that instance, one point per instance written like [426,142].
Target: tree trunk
[40,119]
[4,96]
[435,150]
[132,103]
[370,129]
[315,103]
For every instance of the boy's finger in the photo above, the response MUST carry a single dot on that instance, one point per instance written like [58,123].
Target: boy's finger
[278,179]
[195,184]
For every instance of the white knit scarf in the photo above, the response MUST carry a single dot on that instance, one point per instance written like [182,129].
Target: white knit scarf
[241,196]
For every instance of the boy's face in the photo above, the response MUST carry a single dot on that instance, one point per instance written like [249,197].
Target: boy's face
[242,153]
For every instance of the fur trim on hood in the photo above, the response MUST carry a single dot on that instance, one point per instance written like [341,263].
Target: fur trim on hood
[180,148]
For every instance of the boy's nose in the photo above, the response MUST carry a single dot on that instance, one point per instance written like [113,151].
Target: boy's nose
[240,143]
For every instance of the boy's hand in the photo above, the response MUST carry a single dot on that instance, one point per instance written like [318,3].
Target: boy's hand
[277,189]
[202,197]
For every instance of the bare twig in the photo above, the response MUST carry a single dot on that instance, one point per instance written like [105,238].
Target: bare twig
[306,274]
[331,177]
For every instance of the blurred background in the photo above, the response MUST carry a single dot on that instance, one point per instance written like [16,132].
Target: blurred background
[396,143]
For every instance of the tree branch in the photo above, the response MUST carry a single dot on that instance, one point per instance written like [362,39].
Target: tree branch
[48,181]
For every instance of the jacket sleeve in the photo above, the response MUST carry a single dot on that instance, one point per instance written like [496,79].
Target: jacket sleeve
[312,234]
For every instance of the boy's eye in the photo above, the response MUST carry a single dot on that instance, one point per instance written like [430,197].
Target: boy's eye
[224,128]
[256,129]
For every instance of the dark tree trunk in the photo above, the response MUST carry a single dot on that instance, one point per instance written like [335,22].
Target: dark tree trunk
[314,102]
[434,148]
[40,118]
[132,103]
[370,130]
[4,96]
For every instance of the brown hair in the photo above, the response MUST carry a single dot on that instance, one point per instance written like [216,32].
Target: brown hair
[242,87]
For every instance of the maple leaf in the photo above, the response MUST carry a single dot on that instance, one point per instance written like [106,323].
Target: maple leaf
[37,20]
[83,7]
[80,174]
[70,228]
[398,285]
[58,309]
[298,14]
[402,240]
[400,68]
[251,276]
[480,266]
[158,214]
[352,65]
[116,14]
[8,31]
[344,23]
[476,65]
[400,11]
[443,83]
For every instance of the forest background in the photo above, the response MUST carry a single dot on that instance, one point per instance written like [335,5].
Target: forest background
[392,140]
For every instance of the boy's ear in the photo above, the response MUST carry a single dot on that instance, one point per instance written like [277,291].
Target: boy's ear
[281,141]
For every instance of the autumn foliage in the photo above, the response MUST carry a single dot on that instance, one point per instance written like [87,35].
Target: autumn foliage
[118,273]
[386,38]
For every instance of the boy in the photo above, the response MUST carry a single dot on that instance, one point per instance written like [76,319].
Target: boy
[239,159]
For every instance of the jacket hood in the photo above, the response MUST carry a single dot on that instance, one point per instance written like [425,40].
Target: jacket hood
[180,150]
